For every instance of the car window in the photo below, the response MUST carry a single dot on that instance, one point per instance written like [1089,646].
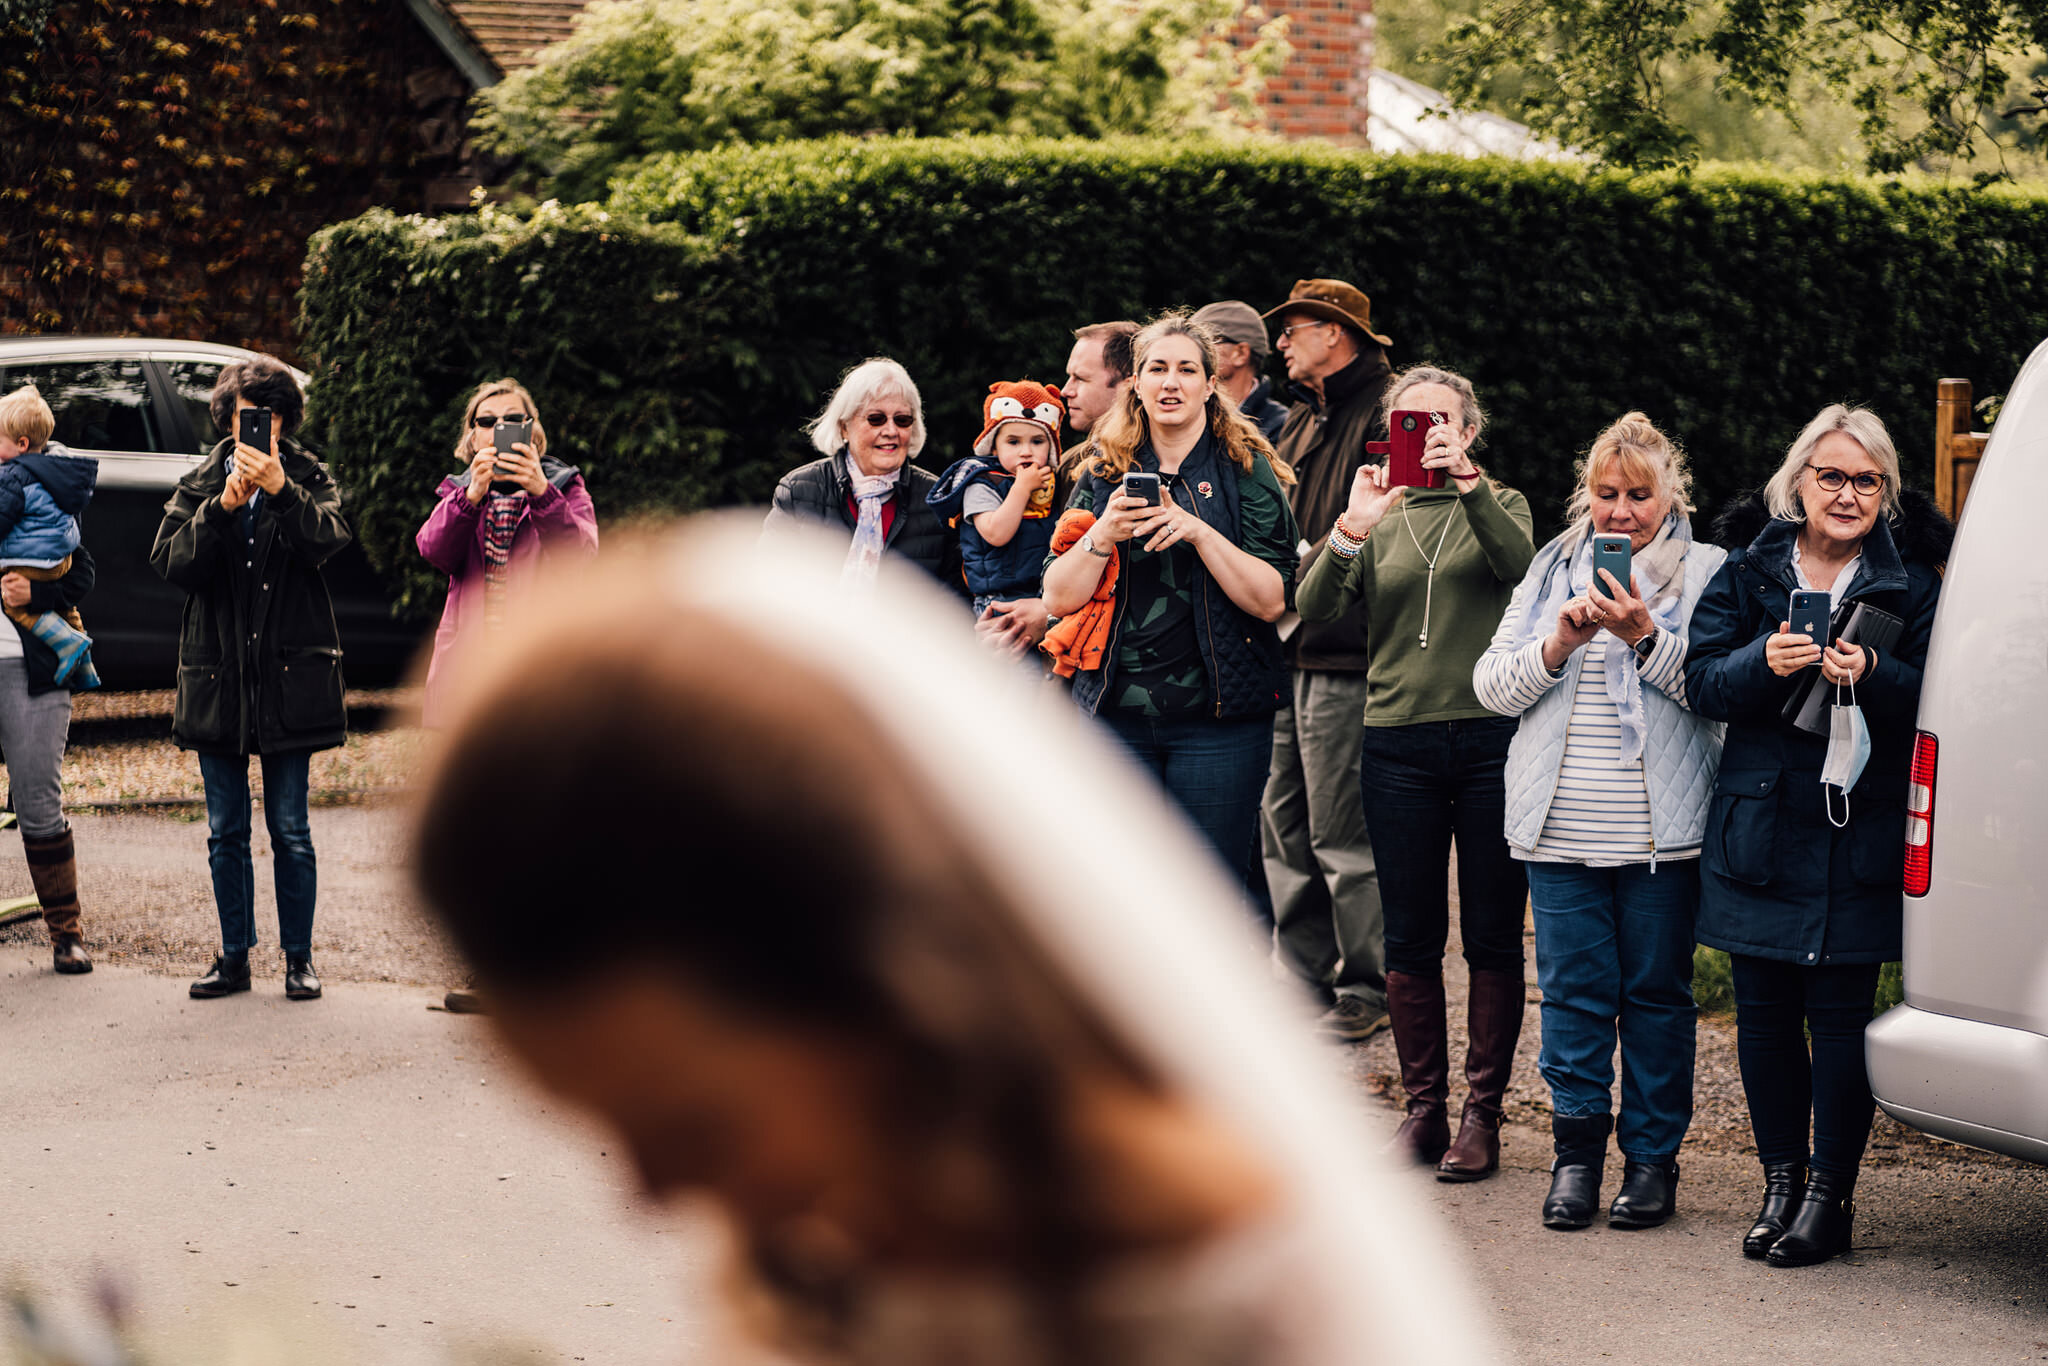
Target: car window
[101,405]
[192,386]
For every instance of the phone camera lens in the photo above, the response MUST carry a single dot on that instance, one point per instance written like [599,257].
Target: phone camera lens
[1407,424]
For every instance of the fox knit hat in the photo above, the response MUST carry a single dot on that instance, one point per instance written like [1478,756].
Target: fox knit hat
[1021,400]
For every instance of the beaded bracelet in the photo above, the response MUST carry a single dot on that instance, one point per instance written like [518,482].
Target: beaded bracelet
[1343,544]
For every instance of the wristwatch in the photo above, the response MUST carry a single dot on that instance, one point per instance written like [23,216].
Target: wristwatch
[1647,645]
[1087,543]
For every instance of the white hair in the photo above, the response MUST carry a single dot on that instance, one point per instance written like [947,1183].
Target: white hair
[1863,427]
[861,387]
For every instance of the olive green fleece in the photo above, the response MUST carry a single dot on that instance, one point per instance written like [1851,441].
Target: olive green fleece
[1487,545]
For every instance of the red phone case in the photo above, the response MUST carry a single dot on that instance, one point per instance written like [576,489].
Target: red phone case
[1407,431]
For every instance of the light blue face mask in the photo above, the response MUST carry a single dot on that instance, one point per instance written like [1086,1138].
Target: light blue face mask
[1848,752]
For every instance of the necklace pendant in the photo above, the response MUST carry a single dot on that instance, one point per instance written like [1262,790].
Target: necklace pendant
[1423,640]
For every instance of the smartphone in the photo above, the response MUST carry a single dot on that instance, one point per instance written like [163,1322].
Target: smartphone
[508,434]
[1610,552]
[252,428]
[1406,433]
[1810,612]
[1142,486]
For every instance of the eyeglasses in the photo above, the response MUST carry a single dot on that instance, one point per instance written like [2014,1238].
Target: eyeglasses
[1288,330]
[1868,484]
[481,420]
[904,420]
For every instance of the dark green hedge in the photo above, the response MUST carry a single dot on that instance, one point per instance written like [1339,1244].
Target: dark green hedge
[1730,305]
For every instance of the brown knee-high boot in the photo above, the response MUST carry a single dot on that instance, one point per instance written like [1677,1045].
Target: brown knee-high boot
[1415,1003]
[1493,1014]
[53,867]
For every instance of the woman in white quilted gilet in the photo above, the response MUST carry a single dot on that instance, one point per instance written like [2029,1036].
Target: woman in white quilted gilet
[1607,789]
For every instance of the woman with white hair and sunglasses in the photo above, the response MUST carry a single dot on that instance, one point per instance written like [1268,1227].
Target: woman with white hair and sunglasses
[1807,902]
[864,484]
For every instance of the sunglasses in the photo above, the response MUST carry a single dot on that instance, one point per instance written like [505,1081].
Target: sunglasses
[1867,483]
[481,421]
[1289,330]
[904,420]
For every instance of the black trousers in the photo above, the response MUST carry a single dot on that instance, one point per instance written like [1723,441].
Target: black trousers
[1776,1006]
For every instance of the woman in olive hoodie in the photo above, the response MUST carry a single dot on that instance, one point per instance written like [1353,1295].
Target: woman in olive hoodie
[259,659]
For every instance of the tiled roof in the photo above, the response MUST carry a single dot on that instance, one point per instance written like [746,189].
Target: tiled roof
[509,31]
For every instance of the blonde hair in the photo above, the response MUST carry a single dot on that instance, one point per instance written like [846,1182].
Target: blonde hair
[1642,455]
[1860,425]
[1125,426]
[25,417]
[864,384]
[492,388]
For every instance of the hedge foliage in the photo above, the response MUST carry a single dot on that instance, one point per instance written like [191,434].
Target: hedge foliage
[1729,305]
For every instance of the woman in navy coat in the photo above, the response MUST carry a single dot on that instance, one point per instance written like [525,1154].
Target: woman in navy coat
[1808,903]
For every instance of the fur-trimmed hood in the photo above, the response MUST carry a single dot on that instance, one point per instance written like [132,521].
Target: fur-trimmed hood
[1922,532]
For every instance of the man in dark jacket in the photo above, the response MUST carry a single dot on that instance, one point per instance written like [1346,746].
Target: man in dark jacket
[1319,863]
[259,659]
[1241,352]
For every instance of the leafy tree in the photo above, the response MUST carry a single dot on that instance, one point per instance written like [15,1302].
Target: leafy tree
[639,78]
[1933,81]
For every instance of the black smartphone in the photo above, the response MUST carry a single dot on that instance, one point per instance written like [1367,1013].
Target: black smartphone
[252,428]
[1810,612]
[1610,552]
[1142,486]
[508,434]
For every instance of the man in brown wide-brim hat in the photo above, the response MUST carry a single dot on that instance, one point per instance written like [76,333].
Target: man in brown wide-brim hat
[1319,863]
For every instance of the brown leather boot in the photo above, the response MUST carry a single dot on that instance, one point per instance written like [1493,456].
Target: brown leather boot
[1416,1005]
[53,867]
[1493,1015]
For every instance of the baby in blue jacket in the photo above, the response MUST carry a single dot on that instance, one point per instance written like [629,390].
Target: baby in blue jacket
[43,488]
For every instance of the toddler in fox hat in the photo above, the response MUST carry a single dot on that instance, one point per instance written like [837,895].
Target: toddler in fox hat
[1000,497]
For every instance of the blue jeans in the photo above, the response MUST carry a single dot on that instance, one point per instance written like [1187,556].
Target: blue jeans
[1777,1006]
[1215,771]
[1424,786]
[1614,955]
[285,783]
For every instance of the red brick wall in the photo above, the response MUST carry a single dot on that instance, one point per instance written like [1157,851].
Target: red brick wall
[1321,92]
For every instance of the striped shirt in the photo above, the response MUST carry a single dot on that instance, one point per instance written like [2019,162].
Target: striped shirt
[1600,812]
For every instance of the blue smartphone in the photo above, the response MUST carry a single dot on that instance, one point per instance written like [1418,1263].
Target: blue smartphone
[1811,609]
[1610,552]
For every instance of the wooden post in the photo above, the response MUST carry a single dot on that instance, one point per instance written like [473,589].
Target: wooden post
[1957,449]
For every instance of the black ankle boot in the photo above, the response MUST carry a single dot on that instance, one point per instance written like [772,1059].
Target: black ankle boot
[1648,1196]
[1820,1225]
[300,981]
[1581,1143]
[228,975]
[1784,1184]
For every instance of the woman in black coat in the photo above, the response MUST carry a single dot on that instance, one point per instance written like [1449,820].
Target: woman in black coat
[1807,901]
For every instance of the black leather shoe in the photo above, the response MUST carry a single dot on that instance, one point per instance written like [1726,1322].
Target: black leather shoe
[1820,1225]
[1574,1194]
[1648,1195]
[68,955]
[299,982]
[229,974]
[1784,1184]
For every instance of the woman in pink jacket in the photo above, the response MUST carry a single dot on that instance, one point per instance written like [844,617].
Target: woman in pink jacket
[505,513]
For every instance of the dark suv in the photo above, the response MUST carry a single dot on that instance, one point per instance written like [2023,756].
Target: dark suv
[140,406]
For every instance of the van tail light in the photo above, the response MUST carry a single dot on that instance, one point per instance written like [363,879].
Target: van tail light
[1920,817]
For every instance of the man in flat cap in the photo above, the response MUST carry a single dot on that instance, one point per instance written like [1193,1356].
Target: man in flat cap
[1241,352]
[1319,864]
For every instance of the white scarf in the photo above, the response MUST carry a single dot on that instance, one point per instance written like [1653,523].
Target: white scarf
[1659,571]
[870,491]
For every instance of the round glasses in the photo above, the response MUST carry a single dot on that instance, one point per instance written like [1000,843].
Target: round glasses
[1869,483]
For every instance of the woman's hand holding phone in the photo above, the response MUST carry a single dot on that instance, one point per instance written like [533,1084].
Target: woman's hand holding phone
[1445,449]
[1372,497]
[483,468]
[522,467]
[259,467]
[1118,519]
[1618,610]
[1167,524]
[1576,625]
[1788,653]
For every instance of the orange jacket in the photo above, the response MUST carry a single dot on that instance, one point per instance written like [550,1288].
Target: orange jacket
[1077,640]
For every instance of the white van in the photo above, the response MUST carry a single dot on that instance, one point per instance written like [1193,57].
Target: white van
[1966,1056]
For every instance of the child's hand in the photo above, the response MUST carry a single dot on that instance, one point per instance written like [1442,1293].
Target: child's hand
[13,592]
[1030,479]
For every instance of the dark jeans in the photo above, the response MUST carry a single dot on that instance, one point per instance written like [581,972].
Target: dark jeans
[1614,956]
[1426,785]
[1776,1006]
[285,779]
[1215,771]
